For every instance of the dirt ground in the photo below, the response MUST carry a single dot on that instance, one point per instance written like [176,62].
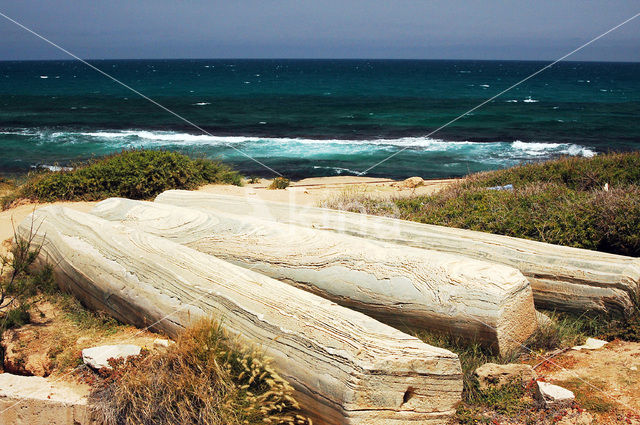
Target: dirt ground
[605,381]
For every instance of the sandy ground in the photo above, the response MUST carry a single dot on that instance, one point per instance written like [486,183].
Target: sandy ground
[313,190]
[610,375]
[304,192]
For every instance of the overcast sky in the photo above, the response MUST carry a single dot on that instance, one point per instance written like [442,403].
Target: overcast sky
[415,29]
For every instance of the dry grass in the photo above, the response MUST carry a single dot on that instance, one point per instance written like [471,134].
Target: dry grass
[205,378]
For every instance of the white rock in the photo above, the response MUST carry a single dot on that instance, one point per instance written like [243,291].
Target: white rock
[492,374]
[550,395]
[162,343]
[32,400]
[97,357]
[590,344]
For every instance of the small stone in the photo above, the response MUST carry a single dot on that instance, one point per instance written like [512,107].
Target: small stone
[590,344]
[162,343]
[553,396]
[98,357]
[543,319]
[492,374]
[410,183]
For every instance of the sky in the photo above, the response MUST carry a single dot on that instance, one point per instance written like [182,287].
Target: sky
[393,29]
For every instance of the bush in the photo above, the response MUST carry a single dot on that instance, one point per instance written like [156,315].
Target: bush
[559,202]
[280,183]
[205,378]
[619,169]
[138,174]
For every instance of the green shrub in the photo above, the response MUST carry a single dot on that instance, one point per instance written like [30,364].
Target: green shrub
[138,174]
[559,202]
[280,183]
[618,169]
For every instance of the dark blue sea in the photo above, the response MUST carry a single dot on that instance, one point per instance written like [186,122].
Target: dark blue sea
[319,117]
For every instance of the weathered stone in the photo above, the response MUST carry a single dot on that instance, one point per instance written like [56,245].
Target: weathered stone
[562,278]
[590,344]
[497,375]
[553,396]
[398,285]
[543,319]
[346,368]
[410,183]
[33,400]
[98,357]
[162,343]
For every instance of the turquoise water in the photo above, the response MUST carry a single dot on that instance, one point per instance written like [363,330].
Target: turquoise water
[319,117]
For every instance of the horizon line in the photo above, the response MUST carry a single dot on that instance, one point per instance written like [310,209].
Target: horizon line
[319,59]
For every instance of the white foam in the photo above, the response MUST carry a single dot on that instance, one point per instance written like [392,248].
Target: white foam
[201,104]
[489,152]
[546,149]
[53,168]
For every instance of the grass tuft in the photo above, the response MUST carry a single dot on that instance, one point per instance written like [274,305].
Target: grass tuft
[205,378]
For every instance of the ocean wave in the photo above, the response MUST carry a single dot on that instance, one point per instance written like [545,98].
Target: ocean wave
[312,148]
[337,170]
[53,168]
[544,149]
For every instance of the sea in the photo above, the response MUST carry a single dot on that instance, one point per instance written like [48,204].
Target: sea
[304,118]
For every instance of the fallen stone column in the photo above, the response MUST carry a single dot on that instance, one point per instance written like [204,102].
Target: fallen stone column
[346,368]
[562,278]
[402,286]
[33,400]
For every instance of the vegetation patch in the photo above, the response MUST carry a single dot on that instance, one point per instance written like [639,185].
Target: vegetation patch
[205,378]
[587,397]
[136,174]
[591,203]
[279,183]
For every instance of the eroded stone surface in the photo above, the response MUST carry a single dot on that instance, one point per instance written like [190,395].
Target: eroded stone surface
[33,400]
[492,374]
[401,286]
[346,368]
[562,278]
